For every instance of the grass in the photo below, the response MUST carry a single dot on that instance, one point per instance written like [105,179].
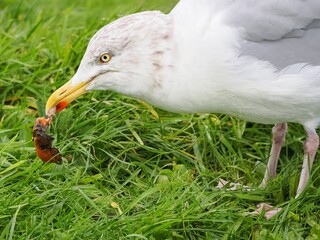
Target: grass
[130,171]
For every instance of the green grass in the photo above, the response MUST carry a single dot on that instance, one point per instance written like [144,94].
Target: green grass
[130,171]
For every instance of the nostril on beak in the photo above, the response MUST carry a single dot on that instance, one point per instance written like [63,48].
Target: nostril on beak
[63,92]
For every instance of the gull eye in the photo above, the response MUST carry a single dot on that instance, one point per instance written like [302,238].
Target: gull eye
[105,57]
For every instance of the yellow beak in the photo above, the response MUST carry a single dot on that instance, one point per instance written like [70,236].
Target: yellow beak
[63,96]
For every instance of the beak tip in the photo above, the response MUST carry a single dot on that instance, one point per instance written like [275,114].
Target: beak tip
[63,96]
[51,112]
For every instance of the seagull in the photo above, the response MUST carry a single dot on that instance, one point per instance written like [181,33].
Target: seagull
[255,60]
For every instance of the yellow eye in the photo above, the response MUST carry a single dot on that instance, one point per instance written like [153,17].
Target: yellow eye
[105,57]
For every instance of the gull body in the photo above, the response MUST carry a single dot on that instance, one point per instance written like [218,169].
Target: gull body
[234,57]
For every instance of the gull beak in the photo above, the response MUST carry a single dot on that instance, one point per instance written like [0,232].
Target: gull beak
[63,96]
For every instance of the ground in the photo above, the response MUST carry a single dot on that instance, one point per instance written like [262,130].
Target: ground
[130,171]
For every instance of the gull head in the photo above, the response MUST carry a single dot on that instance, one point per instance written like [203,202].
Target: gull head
[125,56]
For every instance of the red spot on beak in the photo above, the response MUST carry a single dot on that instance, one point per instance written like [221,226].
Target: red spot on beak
[61,105]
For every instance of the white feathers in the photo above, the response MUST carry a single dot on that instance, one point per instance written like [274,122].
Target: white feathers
[237,67]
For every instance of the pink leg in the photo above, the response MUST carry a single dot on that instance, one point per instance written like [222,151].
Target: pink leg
[310,149]
[279,133]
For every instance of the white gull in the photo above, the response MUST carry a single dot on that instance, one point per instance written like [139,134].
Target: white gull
[255,60]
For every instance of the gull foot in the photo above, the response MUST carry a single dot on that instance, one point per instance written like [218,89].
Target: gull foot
[268,210]
[231,185]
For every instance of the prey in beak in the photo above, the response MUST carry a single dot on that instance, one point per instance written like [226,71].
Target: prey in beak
[63,96]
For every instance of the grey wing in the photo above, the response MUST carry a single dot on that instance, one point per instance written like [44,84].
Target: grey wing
[281,32]
[298,46]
